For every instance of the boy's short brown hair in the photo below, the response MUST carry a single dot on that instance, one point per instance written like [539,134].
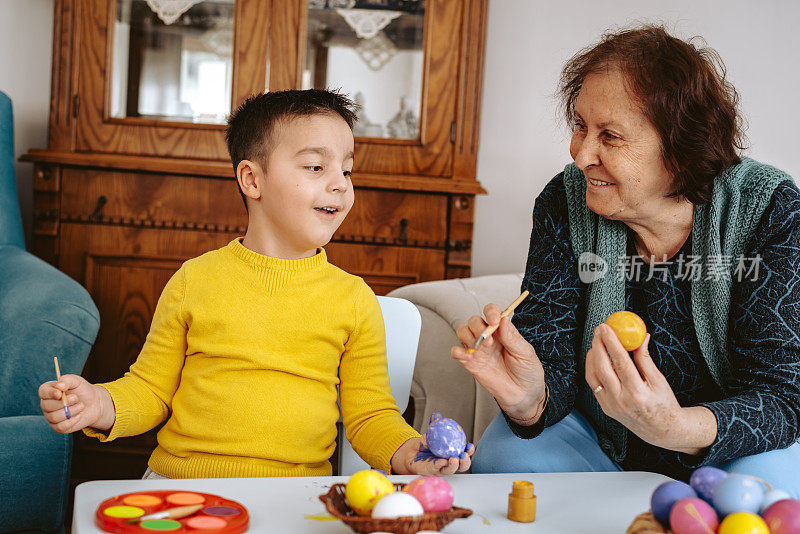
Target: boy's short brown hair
[251,126]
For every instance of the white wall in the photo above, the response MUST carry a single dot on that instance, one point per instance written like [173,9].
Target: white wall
[26,47]
[523,144]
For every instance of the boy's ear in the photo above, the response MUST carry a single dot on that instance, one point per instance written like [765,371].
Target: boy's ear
[250,176]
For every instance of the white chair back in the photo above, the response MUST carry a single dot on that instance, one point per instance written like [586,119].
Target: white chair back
[402,322]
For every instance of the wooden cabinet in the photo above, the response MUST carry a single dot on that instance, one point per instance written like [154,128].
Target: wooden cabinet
[127,190]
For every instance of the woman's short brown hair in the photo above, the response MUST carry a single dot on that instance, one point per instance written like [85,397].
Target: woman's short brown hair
[682,91]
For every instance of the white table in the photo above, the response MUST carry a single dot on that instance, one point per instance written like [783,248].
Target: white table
[566,502]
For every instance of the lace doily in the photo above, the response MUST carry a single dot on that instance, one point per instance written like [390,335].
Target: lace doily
[170,10]
[368,22]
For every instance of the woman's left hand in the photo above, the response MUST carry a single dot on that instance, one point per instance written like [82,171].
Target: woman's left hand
[635,393]
[414,458]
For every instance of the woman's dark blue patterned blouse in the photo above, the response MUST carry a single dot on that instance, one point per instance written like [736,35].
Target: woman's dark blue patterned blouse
[761,411]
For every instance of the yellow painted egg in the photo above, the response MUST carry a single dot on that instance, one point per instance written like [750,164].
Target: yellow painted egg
[629,327]
[743,523]
[365,489]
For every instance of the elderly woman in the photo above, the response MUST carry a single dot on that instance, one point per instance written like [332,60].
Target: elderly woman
[658,215]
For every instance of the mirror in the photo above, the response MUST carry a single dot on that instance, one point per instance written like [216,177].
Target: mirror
[372,50]
[172,65]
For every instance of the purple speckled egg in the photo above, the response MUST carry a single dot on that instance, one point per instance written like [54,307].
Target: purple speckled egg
[445,437]
[693,516]
[738,493]
[783,517]
[666,495]
[705,479]
[434,493]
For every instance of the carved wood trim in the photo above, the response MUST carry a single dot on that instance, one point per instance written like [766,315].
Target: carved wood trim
[49,218]
[223,169]
[46,179]
[461,215]
[395,242]
[473,44]
[61,131]
[252,20]
[152,223]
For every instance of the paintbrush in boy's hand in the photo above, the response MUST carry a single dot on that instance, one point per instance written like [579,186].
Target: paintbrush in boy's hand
[63,393]
[172,513]
[490,329]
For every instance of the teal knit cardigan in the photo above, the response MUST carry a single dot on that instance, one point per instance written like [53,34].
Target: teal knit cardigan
[721,228]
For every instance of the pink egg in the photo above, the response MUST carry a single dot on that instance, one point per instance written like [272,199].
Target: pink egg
[693,516]
[783,517]
[434,493]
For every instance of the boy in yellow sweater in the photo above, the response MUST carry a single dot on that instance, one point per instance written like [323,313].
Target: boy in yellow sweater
[248,342]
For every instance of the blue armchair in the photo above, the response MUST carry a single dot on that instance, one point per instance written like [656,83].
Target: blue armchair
[43,313]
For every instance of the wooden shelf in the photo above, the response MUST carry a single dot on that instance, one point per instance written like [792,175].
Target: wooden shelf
[222,169]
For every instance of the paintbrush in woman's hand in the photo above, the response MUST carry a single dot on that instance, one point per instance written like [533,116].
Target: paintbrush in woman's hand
[490,329]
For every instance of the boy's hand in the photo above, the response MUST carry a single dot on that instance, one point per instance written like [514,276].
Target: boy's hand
[89,404]
[414,458]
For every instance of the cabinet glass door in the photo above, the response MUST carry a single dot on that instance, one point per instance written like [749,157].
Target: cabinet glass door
[172,64]
[160,77]
[374,54]
[398,58]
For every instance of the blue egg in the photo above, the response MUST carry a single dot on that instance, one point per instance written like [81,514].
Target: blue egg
[771,497]
[738,493]
[666,495]
[445,437]
[705,479]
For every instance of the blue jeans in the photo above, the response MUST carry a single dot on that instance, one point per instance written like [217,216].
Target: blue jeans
[571,445]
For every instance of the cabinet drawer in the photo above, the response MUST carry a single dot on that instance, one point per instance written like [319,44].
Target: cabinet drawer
[397,217]
[151,200]
[387,268]
[213,204]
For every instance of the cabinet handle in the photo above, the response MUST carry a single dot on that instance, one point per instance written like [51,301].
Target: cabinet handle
[97,214]
[403,236]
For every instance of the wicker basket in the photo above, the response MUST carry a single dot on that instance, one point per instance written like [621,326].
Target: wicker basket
[337,506]
[646,524]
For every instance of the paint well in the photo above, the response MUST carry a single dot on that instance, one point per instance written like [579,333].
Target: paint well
[142,500]
[205,522]
[224,511]
[123,512]
[185,498]
[160,524]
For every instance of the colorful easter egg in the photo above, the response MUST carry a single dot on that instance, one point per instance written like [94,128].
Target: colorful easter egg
[666,495]
[743,523]
[771,497]
[629,328]
[738,493]
[434,493]
[445,437]
[693,516]
[364,489]
[397,505]
[783,517]
[705,479]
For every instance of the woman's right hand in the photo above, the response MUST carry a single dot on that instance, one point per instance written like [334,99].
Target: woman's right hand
[505,364]
[90,405]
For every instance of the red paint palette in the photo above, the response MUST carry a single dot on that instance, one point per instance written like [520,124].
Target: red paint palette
[217,515]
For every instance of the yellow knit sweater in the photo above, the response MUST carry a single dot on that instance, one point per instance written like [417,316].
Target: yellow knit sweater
[243,357]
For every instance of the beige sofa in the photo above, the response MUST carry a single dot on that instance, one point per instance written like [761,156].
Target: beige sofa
[440,384]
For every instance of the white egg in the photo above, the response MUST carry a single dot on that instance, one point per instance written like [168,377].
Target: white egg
[771,497]
[395,505]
